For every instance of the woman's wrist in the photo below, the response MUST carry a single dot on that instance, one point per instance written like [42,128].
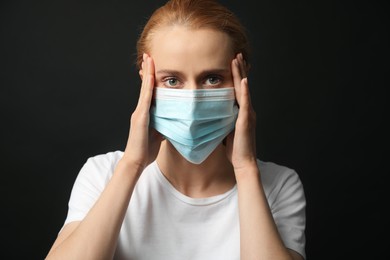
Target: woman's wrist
[129,167]
[248,170]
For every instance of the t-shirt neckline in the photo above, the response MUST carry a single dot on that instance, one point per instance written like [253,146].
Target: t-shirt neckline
[189,200]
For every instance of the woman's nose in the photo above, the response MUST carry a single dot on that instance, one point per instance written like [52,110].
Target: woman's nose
[193,85]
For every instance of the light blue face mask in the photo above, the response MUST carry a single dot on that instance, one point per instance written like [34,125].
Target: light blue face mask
[194,121]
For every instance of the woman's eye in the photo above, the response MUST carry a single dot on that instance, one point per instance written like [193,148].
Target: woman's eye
[213,80]
[171,82]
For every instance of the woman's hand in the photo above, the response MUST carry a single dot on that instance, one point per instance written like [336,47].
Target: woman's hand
[143,143]
[241,143]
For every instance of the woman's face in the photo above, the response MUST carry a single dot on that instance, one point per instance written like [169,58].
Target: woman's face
[192,59]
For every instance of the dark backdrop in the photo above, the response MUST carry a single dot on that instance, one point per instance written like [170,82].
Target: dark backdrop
[319,84]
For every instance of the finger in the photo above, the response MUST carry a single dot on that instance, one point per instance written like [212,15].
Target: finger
[242,65]
[147,83]
[145,71]
[141,71]
[245,101]
[236,79]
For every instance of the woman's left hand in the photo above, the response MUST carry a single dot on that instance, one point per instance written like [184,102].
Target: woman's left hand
[241,143]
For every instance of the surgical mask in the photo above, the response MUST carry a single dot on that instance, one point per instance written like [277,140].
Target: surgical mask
[196,121]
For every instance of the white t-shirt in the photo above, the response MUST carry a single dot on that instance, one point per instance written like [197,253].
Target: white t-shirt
[162,223]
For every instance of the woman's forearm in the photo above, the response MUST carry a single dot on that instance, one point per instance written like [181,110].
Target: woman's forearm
[96,235]
[259,237]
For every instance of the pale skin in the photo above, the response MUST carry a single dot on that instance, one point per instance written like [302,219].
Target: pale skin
[213,65]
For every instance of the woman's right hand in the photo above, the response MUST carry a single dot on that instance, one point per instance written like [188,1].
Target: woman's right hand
[143,142]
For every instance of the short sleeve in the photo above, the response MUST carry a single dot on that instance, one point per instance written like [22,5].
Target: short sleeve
[287,201]
[89,184]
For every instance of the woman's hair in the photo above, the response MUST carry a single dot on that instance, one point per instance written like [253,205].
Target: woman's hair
[194,14]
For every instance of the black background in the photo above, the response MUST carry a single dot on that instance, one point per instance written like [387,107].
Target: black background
[319,86]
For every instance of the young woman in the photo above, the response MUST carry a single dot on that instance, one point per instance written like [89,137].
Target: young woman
[189,184]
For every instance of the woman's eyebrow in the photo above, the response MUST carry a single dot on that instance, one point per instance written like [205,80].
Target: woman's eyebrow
[169,72]
[202,73]
[214,71]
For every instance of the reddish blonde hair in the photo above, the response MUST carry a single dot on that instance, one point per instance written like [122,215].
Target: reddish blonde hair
[194,14]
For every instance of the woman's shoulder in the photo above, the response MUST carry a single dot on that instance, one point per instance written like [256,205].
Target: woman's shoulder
[100,166]
[274,170]
[277,177]
[105,160]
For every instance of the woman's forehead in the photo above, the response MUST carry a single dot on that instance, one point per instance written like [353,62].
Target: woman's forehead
[180,45]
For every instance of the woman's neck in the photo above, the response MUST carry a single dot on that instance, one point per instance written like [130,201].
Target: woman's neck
[212,177]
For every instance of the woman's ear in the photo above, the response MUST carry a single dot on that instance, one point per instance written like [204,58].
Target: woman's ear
[140,72]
